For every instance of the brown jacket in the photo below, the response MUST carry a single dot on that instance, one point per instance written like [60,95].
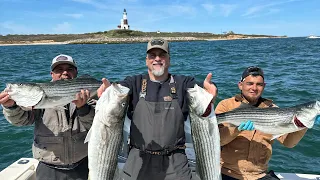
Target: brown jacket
[245,154]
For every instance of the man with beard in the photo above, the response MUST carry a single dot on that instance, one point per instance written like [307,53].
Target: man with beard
[58,133]
[245,152]
[157,110]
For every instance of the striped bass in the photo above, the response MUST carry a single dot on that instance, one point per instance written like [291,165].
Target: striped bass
[105,135]
[273,120]
[50,94]
[205,134]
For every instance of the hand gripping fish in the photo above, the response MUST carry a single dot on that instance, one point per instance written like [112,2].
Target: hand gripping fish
[205,134]
[105,135]
[273,120]
[50,94]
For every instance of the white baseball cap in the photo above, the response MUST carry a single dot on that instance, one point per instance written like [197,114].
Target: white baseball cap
[62,59]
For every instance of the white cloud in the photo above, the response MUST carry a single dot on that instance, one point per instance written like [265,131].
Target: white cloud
[128,1]
[222,9]
[76,16]
[227,9]
[256,9]
[84,1]
[62,28]
[253,10]
[273,11]
[208,7]
[177,10]
[93,3]
[13,28]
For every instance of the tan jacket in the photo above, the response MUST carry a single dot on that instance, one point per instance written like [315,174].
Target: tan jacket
[245,154]
[57,140]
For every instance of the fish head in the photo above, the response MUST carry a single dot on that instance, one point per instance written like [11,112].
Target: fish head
[199,99]
[119,107]
[25,94]
[113,103]
[308,112]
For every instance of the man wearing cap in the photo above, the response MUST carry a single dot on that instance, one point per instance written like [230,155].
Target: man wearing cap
[158,109]
[245,152]
[58,133]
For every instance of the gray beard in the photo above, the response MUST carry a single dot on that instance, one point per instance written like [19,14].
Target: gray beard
[159,72]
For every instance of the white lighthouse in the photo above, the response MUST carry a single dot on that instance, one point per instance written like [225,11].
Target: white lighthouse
[124,21]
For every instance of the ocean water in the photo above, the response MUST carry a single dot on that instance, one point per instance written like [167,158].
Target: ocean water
[291,66]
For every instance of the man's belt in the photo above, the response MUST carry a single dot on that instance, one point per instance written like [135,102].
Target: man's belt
[163,152]
[62,167]
[66,166]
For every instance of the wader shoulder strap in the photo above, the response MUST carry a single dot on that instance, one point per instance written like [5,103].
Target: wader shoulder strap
[143,91]
[172,86]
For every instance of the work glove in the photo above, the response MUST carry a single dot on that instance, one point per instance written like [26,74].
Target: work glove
[248,125]
[317,121]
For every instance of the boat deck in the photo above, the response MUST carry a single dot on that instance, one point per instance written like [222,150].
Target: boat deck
[24,169]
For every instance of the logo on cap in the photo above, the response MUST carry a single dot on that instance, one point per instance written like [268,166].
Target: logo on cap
[157,42]
[62,58]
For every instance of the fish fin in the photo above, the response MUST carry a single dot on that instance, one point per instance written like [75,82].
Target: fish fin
[212,117]
[26,108]
[85,76]
[93,97]
[117,174]
[88,136]
[60,108]
[276,136]
[211,127]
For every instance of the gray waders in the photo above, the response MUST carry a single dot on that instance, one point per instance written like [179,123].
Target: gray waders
[157,140]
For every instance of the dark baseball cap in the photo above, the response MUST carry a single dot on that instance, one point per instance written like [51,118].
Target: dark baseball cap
[158,43]
[252,70]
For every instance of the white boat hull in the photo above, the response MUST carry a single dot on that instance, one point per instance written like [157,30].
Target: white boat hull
[25,169]
[314,37]
[22,169]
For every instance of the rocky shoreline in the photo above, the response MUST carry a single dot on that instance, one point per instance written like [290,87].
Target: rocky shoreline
[108,40]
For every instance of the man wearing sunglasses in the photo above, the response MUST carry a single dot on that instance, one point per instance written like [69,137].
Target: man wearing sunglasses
[157,109]
[58,133]
[245,151]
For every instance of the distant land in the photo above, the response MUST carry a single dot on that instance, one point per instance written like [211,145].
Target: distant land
[121,36]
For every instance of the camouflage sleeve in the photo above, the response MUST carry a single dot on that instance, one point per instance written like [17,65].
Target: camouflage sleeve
[86,114]
[17,116]
[227,131]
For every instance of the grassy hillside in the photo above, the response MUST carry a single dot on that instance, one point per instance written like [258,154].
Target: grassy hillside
[13,38]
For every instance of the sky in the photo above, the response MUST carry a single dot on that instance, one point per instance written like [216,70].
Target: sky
[293,18]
